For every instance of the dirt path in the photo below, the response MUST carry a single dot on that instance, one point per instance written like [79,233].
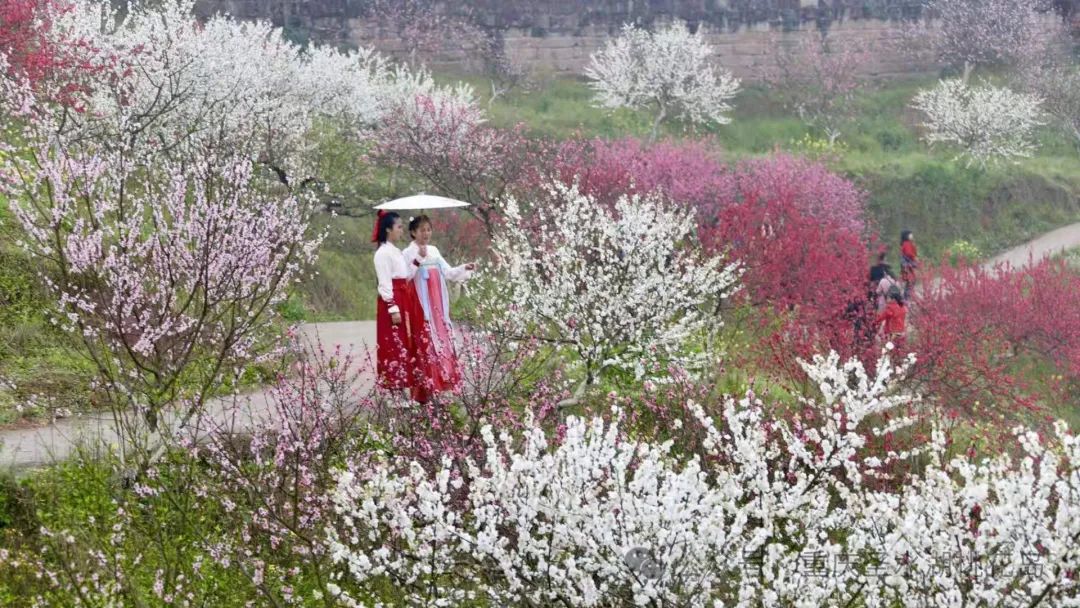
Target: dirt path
[38,446]
[1055,241]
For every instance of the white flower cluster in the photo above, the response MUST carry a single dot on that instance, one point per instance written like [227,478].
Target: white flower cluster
[670,71]
[174,82]
[986,122]
[776,515]
[619,286]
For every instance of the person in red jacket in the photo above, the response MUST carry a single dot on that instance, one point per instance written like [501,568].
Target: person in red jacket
[909,261]
[894,318]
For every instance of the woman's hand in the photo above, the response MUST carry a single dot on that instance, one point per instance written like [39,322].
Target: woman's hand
[423,251]
[395,318]
[471,266]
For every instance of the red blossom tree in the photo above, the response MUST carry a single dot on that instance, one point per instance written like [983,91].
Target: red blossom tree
[799,233]
[31,49]
[983,336]
[25,40]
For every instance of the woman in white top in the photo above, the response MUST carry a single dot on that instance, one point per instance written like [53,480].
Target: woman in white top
[402,342]
[887,283]
[430,281]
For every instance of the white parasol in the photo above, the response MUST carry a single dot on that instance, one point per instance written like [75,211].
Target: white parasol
[421,201]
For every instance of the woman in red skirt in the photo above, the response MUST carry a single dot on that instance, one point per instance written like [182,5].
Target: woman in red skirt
[399,320]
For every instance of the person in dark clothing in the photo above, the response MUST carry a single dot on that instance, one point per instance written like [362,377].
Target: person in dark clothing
[860,314]
[878,271]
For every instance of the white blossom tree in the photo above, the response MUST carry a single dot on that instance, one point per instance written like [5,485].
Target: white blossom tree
[670,72]
[993,532]
[617,286]
[176,85]
[987,122]
[777,515]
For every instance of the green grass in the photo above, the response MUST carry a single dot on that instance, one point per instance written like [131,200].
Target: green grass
[343,286]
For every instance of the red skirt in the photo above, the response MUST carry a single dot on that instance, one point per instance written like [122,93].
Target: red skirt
[402,349]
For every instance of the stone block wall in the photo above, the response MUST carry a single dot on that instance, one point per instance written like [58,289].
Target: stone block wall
[558,36]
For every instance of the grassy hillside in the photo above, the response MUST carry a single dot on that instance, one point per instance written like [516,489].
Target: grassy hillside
[908,186]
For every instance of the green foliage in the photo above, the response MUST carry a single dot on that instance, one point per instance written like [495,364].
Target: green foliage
[41,369]
[817,148]
[343,286]
[961,250]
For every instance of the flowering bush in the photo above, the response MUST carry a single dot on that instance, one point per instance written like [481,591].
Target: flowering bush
[986,122]
[961,250]
[689,173]
[797,230]
[779,516]
[616,286]
[976,327]
[670,72]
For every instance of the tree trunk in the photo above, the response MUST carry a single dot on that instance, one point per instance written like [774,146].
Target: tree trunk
[656,123]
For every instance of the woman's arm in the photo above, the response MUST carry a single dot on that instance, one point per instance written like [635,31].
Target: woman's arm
[456,274]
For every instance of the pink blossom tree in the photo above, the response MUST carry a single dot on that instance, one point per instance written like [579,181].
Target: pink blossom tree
[818,78]
[165,248]
[422,28]
[171,284]
[443,139]
[689,173]
[984,32]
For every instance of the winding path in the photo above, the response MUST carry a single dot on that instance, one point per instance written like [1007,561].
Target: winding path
[38,446]
[33,447]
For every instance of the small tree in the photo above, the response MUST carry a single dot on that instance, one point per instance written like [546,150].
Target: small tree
[986,122]
[443,138]
[1059,87]
[170,284]
[669,72]
[797,231]
[616,286]
[1054,75]
[818,78]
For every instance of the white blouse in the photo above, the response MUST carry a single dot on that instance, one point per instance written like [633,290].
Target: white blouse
[390,265]
[434,258]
